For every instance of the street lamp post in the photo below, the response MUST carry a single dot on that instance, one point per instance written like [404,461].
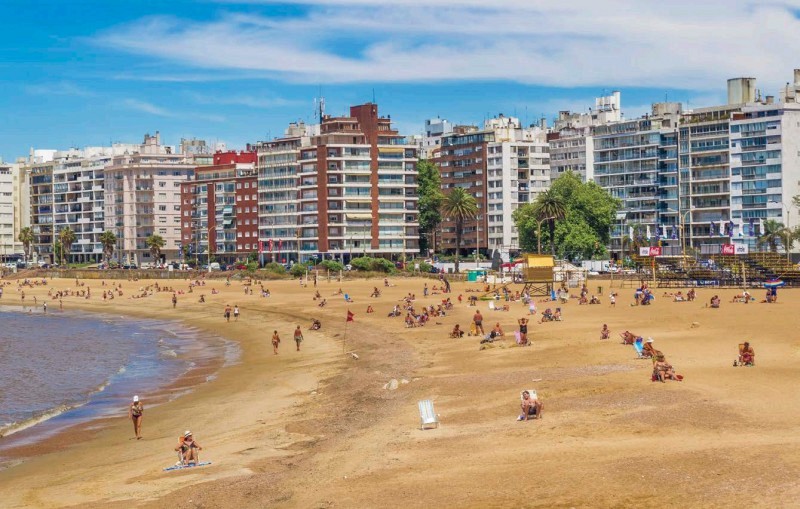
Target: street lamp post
[788,218]
[539,234]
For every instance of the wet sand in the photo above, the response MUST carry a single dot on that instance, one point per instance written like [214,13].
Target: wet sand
[317,428]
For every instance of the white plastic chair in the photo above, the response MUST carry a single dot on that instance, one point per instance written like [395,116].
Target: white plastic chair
[427,416]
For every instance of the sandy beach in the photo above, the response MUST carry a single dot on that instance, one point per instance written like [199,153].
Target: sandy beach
[317,428]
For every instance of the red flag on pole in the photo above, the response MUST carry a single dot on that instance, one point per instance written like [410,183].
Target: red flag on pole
[280,244]
[260,246]
[270,245]
[350,316]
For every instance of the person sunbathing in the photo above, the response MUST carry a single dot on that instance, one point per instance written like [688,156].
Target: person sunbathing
[322,303]
[678,297]
[715,301]
[375,292]
[188,449]
[605,332]
[370,310]
[691,295]
[628,337]
[315,324]
[583,300]
[648,350]
[498,331]
[662,370]
[594,300]
[547,316]
[457,332]
[531,407]
[557,315]
[747,356]
[410,321]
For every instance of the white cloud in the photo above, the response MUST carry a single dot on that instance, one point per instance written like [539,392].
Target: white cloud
[59,88]
[147,107]
[152,109]
[676,44]
[250,101]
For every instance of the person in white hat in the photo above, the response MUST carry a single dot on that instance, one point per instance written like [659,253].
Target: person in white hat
[136,411]
[188,448]
[649,350]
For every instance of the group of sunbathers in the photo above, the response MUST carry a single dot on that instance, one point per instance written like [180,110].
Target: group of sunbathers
[549,316]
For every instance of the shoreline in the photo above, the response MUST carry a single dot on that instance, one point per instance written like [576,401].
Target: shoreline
[91,413]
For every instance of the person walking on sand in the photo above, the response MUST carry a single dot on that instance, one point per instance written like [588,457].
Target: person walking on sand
[236,313]
[425,290]
[276,340]
[44,305]
[478,319]
[174,300]
[298,337]
[227,312]
[135,412]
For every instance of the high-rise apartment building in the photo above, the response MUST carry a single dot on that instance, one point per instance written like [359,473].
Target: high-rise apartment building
[7,241]
[219,209]
[502,166]
[355,190]
[143,198]
[278,170]
[628,164]
[571,138]
[765,166]
[67,191]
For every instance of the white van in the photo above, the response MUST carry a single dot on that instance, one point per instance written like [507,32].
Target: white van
[214,266]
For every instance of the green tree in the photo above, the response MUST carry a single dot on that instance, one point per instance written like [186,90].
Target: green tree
[155,243]
[109,241]
[67,237]
[585,225]
[429,182]
[774,232]
[459,206]
[26,237]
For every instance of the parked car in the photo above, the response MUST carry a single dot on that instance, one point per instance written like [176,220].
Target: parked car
[214,266]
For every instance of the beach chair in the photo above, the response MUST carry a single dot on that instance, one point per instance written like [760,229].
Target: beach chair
[639,347]
[492,306]
[427,416]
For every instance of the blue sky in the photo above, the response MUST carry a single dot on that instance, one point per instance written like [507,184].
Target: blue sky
[88,72]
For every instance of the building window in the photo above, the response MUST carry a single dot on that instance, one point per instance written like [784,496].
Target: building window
[238,185]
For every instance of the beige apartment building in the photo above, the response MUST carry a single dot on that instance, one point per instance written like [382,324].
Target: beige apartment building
[143,198]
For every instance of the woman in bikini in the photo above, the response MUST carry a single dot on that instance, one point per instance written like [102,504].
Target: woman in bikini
[135,412]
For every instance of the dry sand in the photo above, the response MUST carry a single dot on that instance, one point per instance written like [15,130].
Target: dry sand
[317,429]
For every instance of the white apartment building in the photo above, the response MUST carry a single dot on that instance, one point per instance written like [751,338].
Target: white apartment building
[21,198]
[518,170]
[430,142]
[765,166]
[8,245]
[143,198]
[67,192]
[571,139]
[278,208]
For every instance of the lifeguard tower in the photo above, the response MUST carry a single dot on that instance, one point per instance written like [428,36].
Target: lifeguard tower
[538,274]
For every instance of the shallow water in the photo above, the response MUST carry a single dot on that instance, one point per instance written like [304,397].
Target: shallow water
[65,368]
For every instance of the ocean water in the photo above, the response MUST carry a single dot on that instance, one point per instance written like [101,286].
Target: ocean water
[57,369]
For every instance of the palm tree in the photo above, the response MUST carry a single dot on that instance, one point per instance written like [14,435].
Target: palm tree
[155,243]
[26,237]
[67,237]
[550,207]
[109,241]
[459,206]
[773,233]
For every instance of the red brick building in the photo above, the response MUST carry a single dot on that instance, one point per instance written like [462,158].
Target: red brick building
[219,209]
